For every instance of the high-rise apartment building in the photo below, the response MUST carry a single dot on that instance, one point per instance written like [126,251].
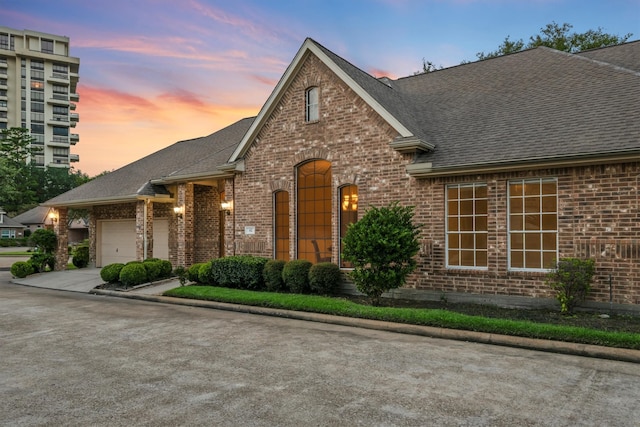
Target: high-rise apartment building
[38,82]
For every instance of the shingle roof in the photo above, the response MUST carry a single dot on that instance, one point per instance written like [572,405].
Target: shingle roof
[133,180]
[625,55]
[37,215]
[10,223]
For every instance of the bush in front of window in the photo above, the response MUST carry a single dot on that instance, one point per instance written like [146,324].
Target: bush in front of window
[21,269]
[381,247]
[571,280]
[295,275]
[272,275]
[110,273]
[324,278]
[241,271]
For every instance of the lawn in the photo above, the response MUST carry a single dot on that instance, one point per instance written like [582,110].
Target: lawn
[620,331]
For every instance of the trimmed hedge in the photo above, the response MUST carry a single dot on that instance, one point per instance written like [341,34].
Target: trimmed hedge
[133,273]
[193,272]
[324,278]
[111,273]
[154,269]
[272,275]
[242,271]
[41,261]
[295,275]
[81,256]
[22,269]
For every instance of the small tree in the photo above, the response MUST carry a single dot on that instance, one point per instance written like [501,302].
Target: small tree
[572,282]
[381,247]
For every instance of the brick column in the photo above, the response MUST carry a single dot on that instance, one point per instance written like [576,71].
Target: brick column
[60,227]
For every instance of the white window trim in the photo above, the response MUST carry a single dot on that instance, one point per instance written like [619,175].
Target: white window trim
[308,105]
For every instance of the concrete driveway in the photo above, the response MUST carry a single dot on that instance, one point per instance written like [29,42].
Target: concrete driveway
[77,359]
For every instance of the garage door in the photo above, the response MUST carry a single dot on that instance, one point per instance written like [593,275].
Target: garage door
[117,241]
[161,238]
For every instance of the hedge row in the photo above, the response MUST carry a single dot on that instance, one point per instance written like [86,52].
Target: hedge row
[136,272]
[258,273]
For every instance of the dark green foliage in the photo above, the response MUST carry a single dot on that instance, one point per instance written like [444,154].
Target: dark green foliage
[272,275]
[572,281]
[154,269]
[242,271]
[181,273]
[22,269]
[9,243]
[203,274]
[133,273]
[193,272]
[165,268]
[45,240]
[81,256]
[381,247]
[42,262]
[324,278]
[295,275]
[111,273]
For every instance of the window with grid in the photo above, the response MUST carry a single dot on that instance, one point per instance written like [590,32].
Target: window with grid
[281,225]
[467,225]
[533,224]
[348,215]
[314,211]
[311,101]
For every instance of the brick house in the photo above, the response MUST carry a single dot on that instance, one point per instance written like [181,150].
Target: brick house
[510,163]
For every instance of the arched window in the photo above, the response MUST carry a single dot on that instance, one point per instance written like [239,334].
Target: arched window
[281,225]
[314,211]
[311,104]
[348,214]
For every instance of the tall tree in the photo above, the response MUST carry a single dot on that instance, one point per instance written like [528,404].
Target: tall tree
[16,149]
[559,37]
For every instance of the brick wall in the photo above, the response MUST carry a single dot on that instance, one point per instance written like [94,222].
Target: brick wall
[598,206]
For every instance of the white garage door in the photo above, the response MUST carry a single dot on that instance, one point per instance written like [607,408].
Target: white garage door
[117,241]
[161,238]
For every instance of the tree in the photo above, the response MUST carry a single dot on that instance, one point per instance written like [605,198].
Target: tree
[560,38]
[381,247]
[16,173]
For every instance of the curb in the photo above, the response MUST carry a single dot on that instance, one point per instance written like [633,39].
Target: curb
[576,349]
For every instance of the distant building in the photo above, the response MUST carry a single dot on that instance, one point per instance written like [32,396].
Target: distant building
[38,82]
[10,228]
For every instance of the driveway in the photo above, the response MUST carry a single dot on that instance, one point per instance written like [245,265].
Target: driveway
[71,358]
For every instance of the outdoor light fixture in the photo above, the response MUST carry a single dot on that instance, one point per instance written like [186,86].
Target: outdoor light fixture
[53,216]
[350,202]
[226,206]
[179,211]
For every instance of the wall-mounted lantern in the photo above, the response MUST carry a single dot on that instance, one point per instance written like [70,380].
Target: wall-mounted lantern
[53,216]
[179,211]
[226,206]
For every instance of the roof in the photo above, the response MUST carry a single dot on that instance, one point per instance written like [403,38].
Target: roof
[34,216]
[144,177]
[626,55]
[10,223]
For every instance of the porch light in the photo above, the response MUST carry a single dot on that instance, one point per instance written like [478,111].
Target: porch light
[226,206]
[53,216]
[350,202]
[179,211]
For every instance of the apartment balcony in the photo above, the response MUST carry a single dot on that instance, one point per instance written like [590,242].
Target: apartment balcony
[72,106]
[58,78]
[4,85]
[58,121]
[74,138]
[58,99]
[74,97]
[59,141]
[75,117]
[74,158]
[59,162]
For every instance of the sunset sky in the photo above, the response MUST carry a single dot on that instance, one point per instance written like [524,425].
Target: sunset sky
[153,72]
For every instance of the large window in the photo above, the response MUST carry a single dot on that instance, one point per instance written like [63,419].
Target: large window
[533,224]
[281,225]
[348,214]
[47,45]
[314,211]
[311,101]
[467,226]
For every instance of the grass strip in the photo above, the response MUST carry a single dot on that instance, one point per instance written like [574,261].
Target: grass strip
[414,316]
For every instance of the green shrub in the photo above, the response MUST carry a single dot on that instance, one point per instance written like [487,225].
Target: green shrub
[295,275]
[22,269]
[193,272]
[324,278]
[242,271]
[272,275]
[154,269]
[111,273]
[45,240]
[165,269]
[81,256]
[42,262]
[381,247]
[133,273]
[572,281]
[181,273]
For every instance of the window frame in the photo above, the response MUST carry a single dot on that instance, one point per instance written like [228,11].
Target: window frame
[541,231]
[350,216]
[277,226]
[473,232]
[314,223]
[309,104]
